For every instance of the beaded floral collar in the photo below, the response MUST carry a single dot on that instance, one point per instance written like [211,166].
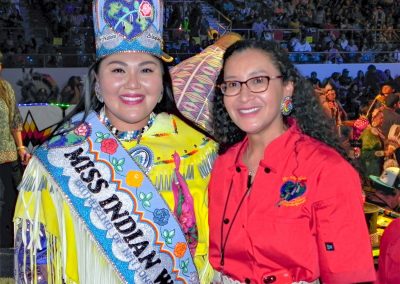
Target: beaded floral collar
[126,136]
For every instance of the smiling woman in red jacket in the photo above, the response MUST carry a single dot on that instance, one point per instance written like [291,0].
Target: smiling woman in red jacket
[285,205]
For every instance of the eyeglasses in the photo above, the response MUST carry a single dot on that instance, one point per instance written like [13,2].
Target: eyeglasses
[255,84]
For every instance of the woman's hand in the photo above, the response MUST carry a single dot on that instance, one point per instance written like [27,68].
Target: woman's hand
[24,155]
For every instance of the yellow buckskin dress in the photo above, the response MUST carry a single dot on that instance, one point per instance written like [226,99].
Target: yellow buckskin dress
[67,251]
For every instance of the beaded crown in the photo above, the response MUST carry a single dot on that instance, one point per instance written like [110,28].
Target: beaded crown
[129,26]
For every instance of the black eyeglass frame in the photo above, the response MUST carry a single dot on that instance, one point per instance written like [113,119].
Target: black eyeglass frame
[222,86]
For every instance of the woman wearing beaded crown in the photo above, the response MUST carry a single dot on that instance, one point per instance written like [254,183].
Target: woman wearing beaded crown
[118,194]
[285,206]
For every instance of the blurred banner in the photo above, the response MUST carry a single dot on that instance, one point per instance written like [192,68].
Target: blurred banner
[39,120]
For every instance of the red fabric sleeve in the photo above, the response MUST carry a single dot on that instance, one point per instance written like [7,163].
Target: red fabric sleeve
[344,248]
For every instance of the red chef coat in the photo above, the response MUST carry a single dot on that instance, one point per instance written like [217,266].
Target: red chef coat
[319,232]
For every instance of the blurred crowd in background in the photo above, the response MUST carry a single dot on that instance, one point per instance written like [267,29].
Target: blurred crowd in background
[49,33]
[59,33]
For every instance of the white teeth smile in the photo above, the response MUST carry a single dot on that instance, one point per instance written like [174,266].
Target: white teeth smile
[245,111]
[132,99]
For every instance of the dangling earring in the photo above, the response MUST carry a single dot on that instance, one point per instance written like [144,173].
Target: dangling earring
[98,92]
[286,105]
[160,98]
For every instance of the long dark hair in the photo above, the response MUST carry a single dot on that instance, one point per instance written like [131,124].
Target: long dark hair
[307,109]
[89,102]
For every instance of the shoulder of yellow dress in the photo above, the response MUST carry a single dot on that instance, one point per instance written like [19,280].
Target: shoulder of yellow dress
[170,123]
[189,143]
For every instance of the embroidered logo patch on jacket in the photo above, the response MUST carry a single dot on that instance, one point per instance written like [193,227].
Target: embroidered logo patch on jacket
[292,191]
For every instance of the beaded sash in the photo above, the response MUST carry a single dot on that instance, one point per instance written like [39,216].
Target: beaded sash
[128,219]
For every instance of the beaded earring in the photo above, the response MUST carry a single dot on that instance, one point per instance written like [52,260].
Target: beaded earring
[98,92]
[287,105]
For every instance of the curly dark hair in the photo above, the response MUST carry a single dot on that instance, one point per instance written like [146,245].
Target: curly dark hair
[307,109]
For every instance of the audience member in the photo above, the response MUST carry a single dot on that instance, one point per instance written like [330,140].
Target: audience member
[314,80]
[389,261]
[351,51]
[345,80]
[388,74]
[385,91]
[353,101]
[372,141]
[396,54]
[12,151]
[258,27]
[333,54]
[372,81]
[304,49]
[343,42]
[333,108]
[386,193]
[71,93]
[390,116]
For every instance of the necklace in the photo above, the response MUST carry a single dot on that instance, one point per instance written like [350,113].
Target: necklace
[252,171]
[126,136]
